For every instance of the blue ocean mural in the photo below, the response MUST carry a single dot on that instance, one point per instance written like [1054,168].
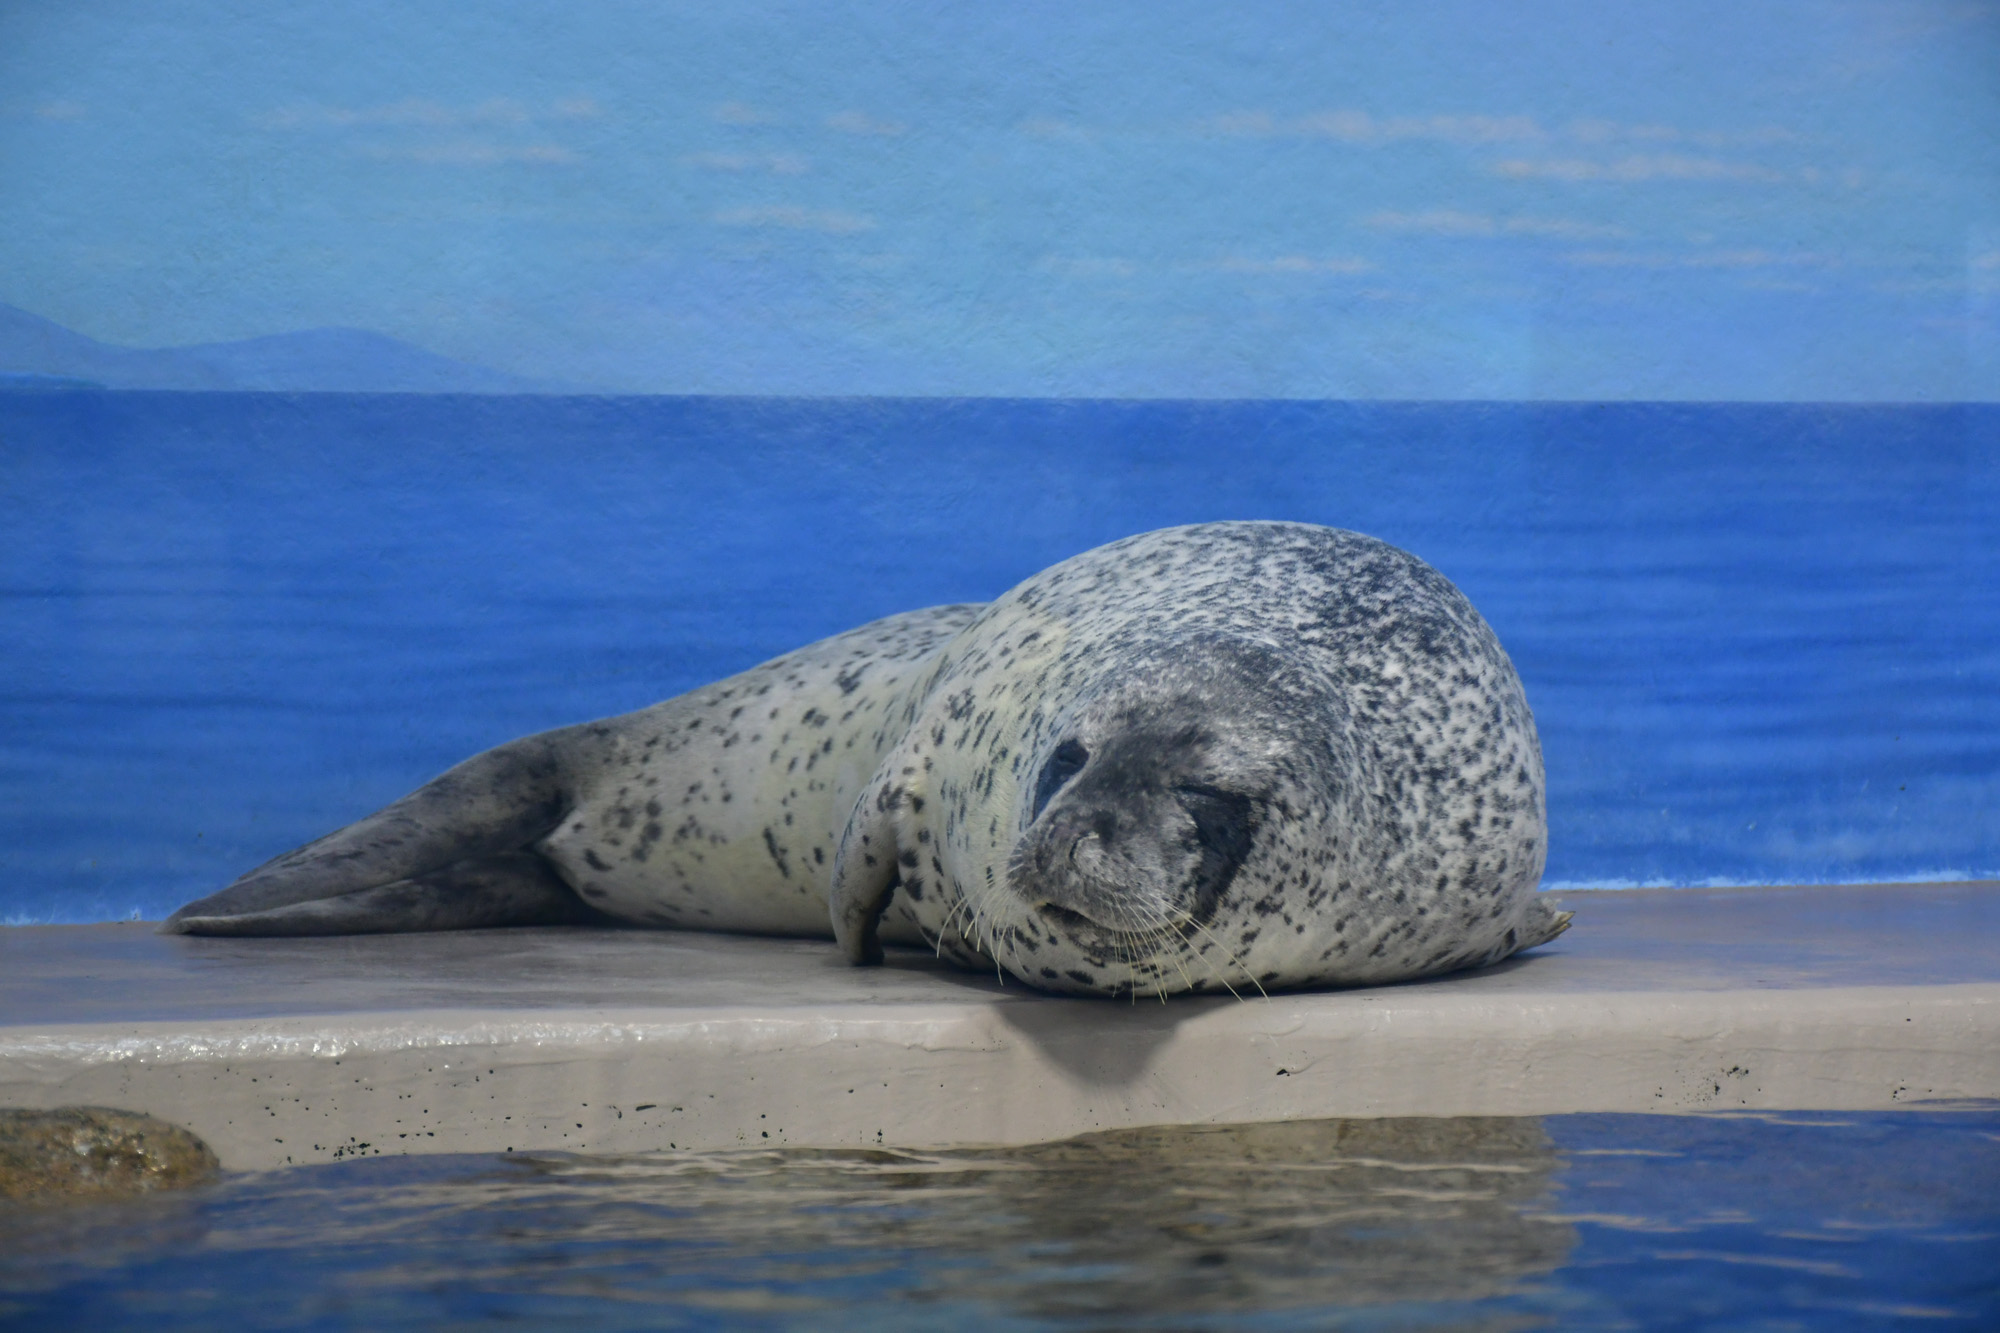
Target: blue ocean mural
[1761,642]
[380,383]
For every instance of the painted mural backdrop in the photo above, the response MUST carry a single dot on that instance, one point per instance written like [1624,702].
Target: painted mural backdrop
[378,382]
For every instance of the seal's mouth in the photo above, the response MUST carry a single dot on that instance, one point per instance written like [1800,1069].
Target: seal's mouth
[1077,924]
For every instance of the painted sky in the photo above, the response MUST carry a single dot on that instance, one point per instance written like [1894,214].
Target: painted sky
[1696,200]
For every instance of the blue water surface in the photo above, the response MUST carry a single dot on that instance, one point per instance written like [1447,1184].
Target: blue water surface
[1761,1223]
[1762,643]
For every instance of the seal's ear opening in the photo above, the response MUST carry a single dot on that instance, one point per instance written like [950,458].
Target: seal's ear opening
[864,874]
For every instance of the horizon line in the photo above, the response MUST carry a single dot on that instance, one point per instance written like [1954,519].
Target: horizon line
[31,383]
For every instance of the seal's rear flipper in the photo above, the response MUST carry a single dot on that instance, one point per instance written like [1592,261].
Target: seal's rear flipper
[492,805]
[518,889]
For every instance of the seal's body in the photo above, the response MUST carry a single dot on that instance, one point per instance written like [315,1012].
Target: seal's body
[1210,757]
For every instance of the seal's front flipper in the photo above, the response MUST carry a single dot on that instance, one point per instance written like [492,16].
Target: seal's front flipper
[491,805]
[517,889]
[864,875]
[1542,924]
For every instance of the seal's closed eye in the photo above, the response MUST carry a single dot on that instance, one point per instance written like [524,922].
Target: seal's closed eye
[1225,822]
[1064,764]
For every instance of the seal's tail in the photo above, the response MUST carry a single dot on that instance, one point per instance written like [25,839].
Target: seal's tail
[454,853]
[512,889]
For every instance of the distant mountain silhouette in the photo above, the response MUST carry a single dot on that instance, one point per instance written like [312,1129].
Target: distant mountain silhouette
[39,353]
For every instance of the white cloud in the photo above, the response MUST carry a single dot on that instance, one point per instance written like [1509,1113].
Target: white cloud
[1917,286]
[796,219]
[1656,152]
[1702,259]
[778,164]
[410,111]
[1091,266]
[1344,265]
[1607,131]
[1362,128]
[1049,127]
[860,122]
[1989,260]
[742,113]
[873,263]
[417,129]
[1562,228]
[1434,222]
[62,110]
[1965,324]
[467,152]
[1451,222]
[1645,167]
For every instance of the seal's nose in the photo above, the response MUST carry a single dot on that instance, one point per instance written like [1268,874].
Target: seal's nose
[1069,869]
[1089,836]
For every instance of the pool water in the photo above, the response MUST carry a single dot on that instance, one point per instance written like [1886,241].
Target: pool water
[1793,1221]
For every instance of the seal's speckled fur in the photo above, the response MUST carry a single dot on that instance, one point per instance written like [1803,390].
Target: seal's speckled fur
[1229,755]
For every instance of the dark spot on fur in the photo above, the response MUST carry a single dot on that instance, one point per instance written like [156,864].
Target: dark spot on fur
[777,855]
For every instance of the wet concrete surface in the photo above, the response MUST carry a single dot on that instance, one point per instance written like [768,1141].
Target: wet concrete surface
[296,1050]
[1645,939]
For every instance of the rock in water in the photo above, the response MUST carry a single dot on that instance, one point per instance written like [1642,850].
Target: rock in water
[96,1152]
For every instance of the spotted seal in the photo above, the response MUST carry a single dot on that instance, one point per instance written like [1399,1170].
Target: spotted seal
[1223,756]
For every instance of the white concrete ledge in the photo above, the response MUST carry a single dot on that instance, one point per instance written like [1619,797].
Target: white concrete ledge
[279,1051]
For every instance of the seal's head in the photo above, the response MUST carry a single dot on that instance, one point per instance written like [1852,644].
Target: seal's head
[1224,757]
[1147,804]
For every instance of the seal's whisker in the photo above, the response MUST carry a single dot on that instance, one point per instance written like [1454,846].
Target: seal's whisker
[976,929]
[1175,956]
[1157,940]
[980,937]
[1215,971]
[1208,962]
[1149,945]
[949,919]
[1248,974]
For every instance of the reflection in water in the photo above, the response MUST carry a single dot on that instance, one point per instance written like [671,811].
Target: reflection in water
[1133,1222]
[1586,1222]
